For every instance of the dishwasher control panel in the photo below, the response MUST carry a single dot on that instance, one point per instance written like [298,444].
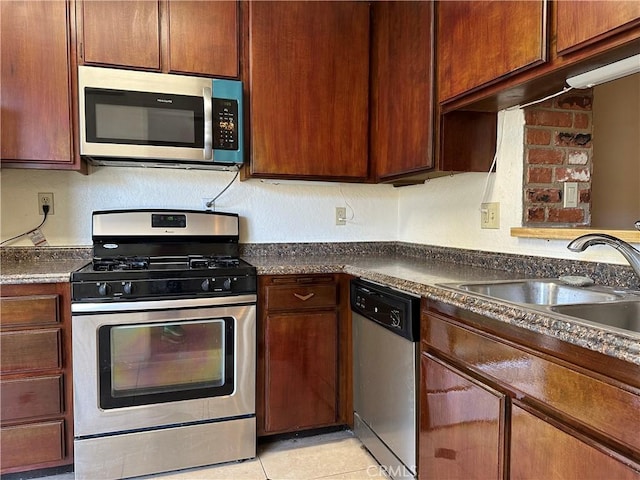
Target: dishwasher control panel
[397,311]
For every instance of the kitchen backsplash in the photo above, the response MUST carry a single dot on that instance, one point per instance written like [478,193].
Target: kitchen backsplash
[528,266]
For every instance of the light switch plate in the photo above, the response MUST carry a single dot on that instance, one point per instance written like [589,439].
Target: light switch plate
[570,195]
[490,215]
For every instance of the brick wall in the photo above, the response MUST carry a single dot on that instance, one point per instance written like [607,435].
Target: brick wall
[558,149]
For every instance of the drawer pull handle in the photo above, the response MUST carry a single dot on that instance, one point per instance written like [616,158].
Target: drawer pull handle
[304,298]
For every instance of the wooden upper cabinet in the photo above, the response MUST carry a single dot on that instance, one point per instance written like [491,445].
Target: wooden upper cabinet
[402,87]
[203,37]
[480,42]
[122,33]
[580,23]
[190,37]
[36,84]
[309,89]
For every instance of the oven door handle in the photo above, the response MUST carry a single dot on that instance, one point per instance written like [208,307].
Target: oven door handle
[117,306]
[208,124]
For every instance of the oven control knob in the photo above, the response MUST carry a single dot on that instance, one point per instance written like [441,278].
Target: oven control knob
[127,288]
[104,289]
[205,285]
[226,285]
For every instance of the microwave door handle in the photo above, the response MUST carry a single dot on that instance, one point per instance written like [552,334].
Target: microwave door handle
[208,124]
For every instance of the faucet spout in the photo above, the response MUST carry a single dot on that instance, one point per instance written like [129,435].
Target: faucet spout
[632,255]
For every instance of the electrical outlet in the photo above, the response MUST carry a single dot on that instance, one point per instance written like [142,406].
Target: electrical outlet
[490,215]
[45,199]
[341,215]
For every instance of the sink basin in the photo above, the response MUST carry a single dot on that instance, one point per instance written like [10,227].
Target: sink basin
[539,292]
[623,314]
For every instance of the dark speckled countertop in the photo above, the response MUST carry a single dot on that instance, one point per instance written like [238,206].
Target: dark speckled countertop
[419,270]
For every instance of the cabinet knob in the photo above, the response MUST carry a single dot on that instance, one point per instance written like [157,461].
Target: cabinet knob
[304,298]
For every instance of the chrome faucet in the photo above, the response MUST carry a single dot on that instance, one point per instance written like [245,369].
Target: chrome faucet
[632,255]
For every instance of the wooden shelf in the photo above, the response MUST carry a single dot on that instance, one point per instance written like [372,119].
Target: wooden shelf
[631,236]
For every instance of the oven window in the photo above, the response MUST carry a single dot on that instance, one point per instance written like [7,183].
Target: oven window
[163,362]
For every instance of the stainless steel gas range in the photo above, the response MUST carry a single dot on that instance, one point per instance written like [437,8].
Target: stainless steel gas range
[163,329]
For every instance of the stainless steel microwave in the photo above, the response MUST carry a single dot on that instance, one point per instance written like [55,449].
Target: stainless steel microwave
[162,120]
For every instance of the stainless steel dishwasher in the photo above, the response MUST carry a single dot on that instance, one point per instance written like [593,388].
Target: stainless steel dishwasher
[386,330]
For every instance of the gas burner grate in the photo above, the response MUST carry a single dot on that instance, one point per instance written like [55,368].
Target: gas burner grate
[120,263]
[198,262]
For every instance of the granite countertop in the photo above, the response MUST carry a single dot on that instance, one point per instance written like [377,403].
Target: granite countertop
[426,278]
[419,275]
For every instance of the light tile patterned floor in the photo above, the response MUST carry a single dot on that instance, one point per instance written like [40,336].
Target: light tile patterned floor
[332,456]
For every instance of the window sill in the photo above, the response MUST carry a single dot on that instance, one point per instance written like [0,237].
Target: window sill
[631,236]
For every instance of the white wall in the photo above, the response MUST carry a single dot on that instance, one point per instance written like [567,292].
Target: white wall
[285,212]
[444,211]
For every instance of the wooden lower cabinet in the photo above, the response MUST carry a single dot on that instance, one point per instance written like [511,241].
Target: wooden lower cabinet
[542,450]
[301,355]
[303,352]
[36,419]
[462,425]
[498,401]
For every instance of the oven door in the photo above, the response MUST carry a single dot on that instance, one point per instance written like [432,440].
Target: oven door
[141,365]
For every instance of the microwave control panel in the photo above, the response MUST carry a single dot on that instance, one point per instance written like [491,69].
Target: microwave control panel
[225,124]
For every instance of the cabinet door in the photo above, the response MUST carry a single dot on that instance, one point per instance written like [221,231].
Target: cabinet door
[122,33]
[203,38]
[402,79]
[36,82]
[461,425]
[580,23]
[301,370]
[309,77]
[483,41]
[540,450]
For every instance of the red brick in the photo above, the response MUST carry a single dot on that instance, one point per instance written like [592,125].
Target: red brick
[549,156]
[578,174]
[539,175]
[581,120]
[535,215]
[538,136]
[575,102]
[573,139]
[543,195]
[578,157]
[566,215]
[585,195]
[548,118]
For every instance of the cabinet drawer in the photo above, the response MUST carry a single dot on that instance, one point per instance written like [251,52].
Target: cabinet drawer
[30,397]
[602,406]
[29,310]
[284,297]
[31,444]
[30,350]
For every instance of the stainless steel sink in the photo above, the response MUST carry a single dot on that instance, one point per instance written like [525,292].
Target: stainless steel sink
[539,292]
[623,314]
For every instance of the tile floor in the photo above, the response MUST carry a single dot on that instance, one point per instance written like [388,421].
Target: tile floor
[332,456]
